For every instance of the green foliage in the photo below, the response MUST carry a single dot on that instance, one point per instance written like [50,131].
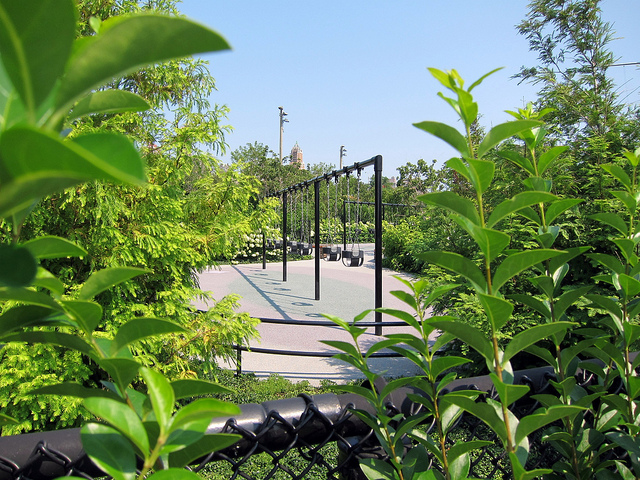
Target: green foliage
[65,325]
[588,421]
[158,226]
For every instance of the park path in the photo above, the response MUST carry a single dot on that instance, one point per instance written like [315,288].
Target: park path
[344,292]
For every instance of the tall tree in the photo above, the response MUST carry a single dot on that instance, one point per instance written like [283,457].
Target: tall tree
[573,46]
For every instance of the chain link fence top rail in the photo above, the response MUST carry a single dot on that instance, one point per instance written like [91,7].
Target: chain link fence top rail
[296,438]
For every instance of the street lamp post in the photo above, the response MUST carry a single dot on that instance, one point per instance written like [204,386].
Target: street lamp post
[282,120]
[343,153]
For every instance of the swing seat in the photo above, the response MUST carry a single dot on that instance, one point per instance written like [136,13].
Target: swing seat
[270,244]
[332,254]
[293,247]
[353,258]
[278,244]
[305,248]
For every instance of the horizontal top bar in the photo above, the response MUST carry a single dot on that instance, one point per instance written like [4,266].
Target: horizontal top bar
[328,175]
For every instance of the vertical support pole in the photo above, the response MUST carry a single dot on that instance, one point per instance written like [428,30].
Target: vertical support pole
[264,251]
[377,167]
[284,236]
[316,191]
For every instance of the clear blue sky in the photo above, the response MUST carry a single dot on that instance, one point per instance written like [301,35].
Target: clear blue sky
[354,73]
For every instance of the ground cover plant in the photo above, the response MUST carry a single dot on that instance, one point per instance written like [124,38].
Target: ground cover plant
[46,78]
[588,422]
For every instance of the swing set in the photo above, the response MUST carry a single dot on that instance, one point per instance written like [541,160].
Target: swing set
[352,256]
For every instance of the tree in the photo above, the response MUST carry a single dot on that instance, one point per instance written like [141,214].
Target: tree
[573,46]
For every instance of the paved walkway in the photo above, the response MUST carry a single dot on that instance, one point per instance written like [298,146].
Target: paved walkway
[344,292]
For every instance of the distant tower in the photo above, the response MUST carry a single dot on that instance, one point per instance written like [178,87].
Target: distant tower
[296,156]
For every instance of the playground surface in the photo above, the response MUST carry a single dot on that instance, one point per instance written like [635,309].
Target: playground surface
[344,292]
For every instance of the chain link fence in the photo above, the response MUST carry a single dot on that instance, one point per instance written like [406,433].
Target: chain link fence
[297,438]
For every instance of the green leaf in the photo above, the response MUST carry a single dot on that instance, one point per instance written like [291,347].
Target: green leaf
[53,247]
[538,184]
[375,469]
[532,422]
[627,199]
[25,316]
[27,151]
[519,160]
[109,450]
[609,261]
[122,370]
[629,285]
[453,202]
[497,309]
[346,347]
[518,202]
[54,338]
[191,387]
[204,446]
[72,389]
[458,264]
[617,172]
[518,262]
[109,54]
[569,298]
[121,417]
[485,412]
[44,279]
[20,194]
[557,208]
[104,279]
[482,172]
[400,314]
[532,302]
[502,132]
[140,328]
[36,37]
[162,397]
[19,267]
[7,420]
[30,297]
[191,421]
[406,297]
[530,214]
[508,393]
[449,134]
[613,220]
[480,80]
[440,364]
[491,242]
[109,101]
[468,334]
[531,336]
[86,314]
[556,262]
[547,158]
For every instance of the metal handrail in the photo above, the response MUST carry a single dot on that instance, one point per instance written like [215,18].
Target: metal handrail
[298,353]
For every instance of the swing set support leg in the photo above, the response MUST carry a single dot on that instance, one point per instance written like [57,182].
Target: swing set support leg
[316,191]
[284,236]
[377,168]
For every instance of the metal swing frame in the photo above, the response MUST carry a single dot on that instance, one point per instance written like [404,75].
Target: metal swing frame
[283,194]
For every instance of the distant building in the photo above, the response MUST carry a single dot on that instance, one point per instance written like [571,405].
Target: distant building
[296,156]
